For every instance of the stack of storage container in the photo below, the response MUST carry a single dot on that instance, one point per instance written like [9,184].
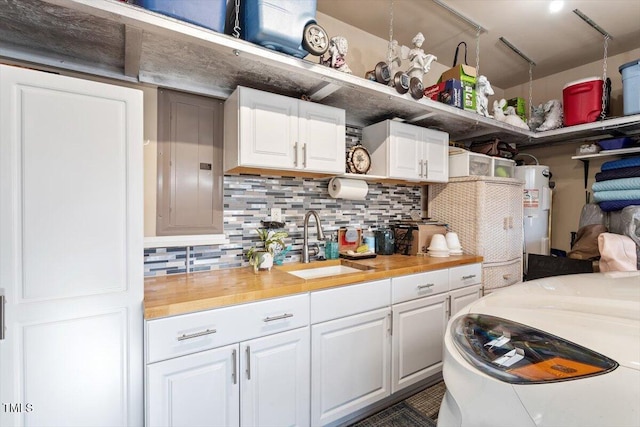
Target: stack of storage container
[617,184]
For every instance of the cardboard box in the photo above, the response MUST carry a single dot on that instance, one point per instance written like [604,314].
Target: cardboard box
[420,237]
[467,75]
[519,105]
[432,92]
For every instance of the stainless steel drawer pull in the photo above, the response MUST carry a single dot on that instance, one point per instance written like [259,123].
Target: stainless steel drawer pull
[2,319]
[283,316]
[234,374]
[196,334]
[471,276]
[428,285]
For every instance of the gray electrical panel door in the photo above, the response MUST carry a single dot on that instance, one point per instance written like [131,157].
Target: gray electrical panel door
[190,180]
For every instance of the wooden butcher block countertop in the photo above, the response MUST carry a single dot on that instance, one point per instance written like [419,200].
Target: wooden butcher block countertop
[185,293]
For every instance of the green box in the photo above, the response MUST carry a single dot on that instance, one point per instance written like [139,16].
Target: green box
[519,105]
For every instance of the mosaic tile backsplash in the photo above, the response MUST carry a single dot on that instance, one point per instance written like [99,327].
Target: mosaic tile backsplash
[248,200]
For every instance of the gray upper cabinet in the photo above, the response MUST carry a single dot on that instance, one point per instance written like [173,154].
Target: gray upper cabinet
[190,187]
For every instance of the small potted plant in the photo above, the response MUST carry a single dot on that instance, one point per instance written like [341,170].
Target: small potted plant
[273,241]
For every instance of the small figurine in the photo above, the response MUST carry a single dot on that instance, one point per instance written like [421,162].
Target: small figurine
[395,57]
[512,119]
[552,116]
[420,61]
[338,47]
[536,118]
[483,91]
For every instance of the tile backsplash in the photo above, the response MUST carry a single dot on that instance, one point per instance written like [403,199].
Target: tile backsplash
[248,200]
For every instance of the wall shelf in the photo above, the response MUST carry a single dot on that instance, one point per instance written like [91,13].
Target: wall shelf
[109,38]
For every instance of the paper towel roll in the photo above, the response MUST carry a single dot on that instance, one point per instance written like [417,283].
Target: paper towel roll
[344,188]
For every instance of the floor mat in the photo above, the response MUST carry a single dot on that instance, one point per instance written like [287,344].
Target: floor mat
[419,410]
[428,401]
[398,415]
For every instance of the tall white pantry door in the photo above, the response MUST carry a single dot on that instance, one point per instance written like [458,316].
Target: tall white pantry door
[71,250]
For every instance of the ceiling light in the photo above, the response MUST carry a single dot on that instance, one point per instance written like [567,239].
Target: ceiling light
[556,6]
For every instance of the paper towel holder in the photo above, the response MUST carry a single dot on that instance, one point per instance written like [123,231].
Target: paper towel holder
[336,188]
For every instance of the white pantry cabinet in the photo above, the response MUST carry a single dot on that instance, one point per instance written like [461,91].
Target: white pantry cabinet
[403,151]
[71,251]
[253,360]
[268,131]
[350,349]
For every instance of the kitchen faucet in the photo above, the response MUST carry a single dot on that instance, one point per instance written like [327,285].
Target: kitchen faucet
[320,234]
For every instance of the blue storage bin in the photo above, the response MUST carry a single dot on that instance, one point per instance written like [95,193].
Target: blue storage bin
[206,13]
[631,87]
[277,24]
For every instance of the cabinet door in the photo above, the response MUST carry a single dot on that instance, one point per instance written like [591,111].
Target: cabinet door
[70,251]
[501,235]
[268,129]
[350,360]
[321,142]
[461,297]
[418,333]
[275,380]
[405,151]
[435,155]
[200,389]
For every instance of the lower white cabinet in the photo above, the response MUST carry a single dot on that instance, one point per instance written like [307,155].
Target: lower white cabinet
[200,389]
[350,349]
[461,297]
[261,364]
[350,364]
[418,332]
[274,390]
[257,374]
[423,303]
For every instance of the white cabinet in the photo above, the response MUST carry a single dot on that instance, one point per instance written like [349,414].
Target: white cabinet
[462,297]
[275,380]
[70,252]
[350,349]
[268,131]
[422,305]
[403,151]
[252,361]
[200,389]
[418,333]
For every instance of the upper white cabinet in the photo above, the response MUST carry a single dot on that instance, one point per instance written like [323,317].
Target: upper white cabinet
[268,131]
[403,151]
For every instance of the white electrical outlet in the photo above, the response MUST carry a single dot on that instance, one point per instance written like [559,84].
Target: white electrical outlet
[276,214]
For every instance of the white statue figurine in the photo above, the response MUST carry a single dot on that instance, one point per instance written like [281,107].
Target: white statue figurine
[483,91]
[420,61]
[338,47]
[395,55]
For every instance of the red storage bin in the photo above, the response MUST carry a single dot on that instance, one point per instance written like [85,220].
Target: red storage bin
[582,101]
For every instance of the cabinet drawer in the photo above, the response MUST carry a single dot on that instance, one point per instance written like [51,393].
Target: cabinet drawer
[414,286]
[465,275]
[347,300]
[189,333]
[498,276]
